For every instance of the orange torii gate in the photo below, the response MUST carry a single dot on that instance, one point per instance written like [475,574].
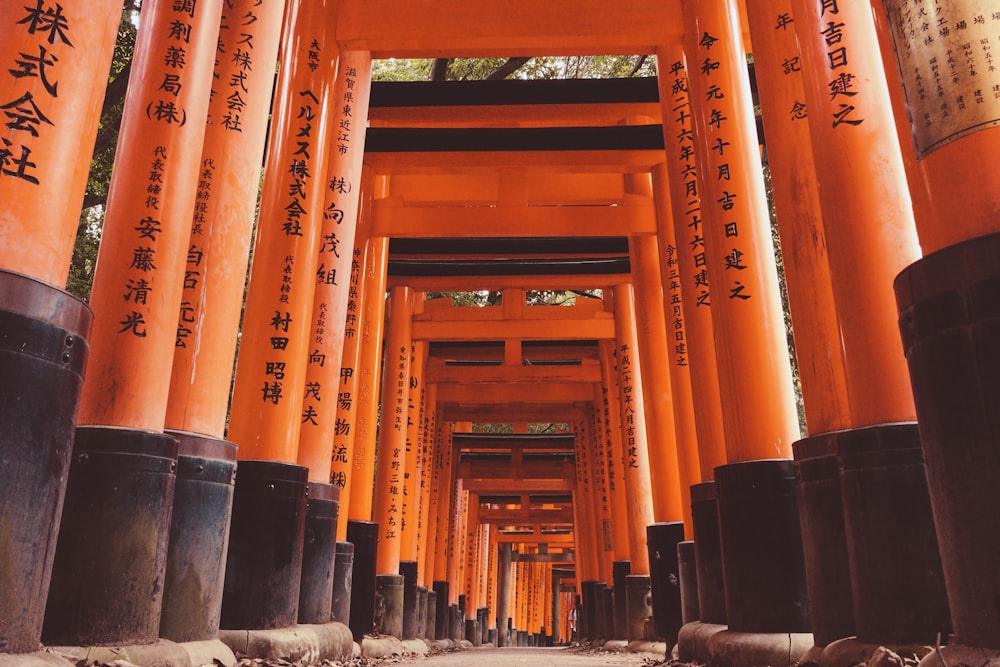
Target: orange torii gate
[510,186]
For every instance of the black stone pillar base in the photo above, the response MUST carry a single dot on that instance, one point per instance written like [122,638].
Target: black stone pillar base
[761,548]
[319,553]
[408,570]
[107,578]
[661,543]
[950,326]
[688,581]
[421,612]
[343,581]
[824,542]
[896,577]
[432,615]
[389,605]
[638,602]
[442,619]
[264,566]
[43,353]
[708,554]
[199,533]
[364,536]
[620,570]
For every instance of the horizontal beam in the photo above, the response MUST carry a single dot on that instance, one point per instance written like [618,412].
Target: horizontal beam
[507,484]
[555,557]
[534,538]
[524,517]
[589,370]
[485,413]
[483,188]
[514,139]
[569,162]
[507,441]
[534,115]
[467,283]
[513,395]
[637,218]
[549,351]
[526,473]
[504,28]
[452,331]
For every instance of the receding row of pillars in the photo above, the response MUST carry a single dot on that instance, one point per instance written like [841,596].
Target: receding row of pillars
[894,350]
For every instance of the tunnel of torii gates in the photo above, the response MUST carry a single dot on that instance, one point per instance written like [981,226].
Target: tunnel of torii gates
[335,480]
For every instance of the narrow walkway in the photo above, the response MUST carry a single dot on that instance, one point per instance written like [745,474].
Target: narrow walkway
[559,656]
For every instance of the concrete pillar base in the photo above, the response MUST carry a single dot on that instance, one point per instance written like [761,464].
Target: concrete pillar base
[615,645]
[37,659]
[692,641]
[749,649]
[162,653]
[853,651]
[944,656]
[415,647]
[301,643]
[381,647]
[638,603]
[657,649]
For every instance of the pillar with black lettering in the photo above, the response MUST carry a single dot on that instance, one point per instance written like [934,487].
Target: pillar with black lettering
[330,315]
[755,380]
[266,414]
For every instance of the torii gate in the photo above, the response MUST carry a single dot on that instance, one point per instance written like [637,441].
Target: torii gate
[699,390]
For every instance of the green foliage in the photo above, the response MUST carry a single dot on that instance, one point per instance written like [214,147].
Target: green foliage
[541,67]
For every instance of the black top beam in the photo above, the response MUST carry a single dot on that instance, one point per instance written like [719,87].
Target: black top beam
[450,139]
[513,91]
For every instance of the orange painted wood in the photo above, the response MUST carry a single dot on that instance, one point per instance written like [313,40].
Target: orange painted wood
[697,340]
[411,477]
[800,220]
[369,363]
[654,357]
[867,214]
[676,342]
[755,381]
[342,192]
[390,464]
[450,28]
[638,488]
[615,454]
[266,414]
[53,83]
[222,222]
[141,263]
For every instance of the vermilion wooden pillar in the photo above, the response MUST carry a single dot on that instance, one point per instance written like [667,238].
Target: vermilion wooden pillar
[221,229]
[678,357]
[953,372]
[411,473]
[585,504]
[755,383]
[800,219]
[345,430]
[56,63]
[427,520]
[369,363]
[616,452]
[391,463]
[137,288]
[221,226]
[343,183]
[651,331]
[136,294]
[266,413]
[56,60]
[597,435]
[637,482]
[443,495]
[866,207]
[695,339]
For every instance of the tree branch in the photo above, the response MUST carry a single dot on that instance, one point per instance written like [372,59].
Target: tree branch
[440,70]
[638,66]
[508,68]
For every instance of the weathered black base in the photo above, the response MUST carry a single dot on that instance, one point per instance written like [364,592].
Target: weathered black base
[43,352]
